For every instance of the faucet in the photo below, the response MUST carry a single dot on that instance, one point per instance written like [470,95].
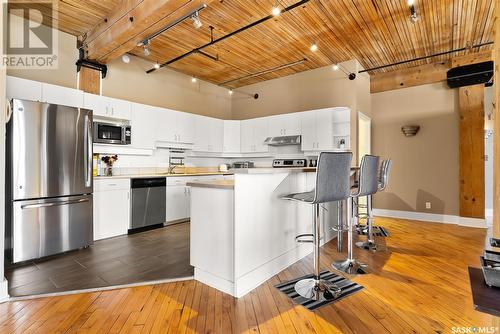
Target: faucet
[171,169]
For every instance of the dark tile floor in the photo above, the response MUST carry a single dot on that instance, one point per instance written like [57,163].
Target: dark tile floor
[157,254]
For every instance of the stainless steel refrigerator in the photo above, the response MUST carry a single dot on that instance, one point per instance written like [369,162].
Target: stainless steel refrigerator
[49,179]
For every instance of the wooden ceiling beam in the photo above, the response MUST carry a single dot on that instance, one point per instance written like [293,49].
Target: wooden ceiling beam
[423,74]
[131,23]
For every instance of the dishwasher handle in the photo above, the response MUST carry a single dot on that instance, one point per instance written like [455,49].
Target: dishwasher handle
[148,182]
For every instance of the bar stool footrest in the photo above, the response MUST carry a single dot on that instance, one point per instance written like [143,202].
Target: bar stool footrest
[300,237]
[343,228]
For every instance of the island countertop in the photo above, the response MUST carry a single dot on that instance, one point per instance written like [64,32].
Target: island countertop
[218,184]
[271,170]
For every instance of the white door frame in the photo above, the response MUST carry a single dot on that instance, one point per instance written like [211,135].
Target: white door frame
[363,117]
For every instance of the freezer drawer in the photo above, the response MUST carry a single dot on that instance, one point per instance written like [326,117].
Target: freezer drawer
[50,226]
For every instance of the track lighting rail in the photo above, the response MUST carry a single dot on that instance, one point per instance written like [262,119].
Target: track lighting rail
[172,24]
[217,40]
[426,57]
[277,68]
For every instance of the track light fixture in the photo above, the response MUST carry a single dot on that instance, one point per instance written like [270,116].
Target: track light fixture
[157,65]
[335,67]
[314,47]
[413,11]
[230,92]
[193,79]
[276,10]
[126,58]
[196,20]
[145,45]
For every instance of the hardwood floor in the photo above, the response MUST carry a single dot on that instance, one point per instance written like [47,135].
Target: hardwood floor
[147,256]
[420,286]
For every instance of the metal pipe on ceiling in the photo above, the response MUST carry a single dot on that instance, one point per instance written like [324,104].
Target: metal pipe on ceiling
[427,57]
[264,71]
[172,24]
[217,40]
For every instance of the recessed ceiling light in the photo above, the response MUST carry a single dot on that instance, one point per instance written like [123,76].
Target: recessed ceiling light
[276,11]
[126,58]
[157,66]
[335,67]
[230,92]
[314,47]
[193,80]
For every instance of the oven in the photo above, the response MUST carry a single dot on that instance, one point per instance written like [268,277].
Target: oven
[112,133]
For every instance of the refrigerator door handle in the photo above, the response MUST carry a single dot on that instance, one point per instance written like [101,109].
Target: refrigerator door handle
[46,205]
[88,152]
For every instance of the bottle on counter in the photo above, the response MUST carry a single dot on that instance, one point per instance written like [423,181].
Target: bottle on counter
[95,164]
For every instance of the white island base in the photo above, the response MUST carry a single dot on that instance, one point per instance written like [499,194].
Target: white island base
[242,233]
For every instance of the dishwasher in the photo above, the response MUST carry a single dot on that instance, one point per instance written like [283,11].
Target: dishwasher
[148,203]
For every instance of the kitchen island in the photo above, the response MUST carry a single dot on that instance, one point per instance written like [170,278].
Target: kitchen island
[243,233]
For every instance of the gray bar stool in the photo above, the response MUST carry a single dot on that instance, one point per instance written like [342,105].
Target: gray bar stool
[332,185]
[383,180]
[367,184]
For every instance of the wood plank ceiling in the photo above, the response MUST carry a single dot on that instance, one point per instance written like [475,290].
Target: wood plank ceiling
[373,32]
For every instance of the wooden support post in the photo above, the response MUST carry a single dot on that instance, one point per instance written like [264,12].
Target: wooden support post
[90,81]
[496,125]
[471,106]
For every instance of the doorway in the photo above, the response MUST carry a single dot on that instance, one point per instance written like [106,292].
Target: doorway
[364,135]
[364,141]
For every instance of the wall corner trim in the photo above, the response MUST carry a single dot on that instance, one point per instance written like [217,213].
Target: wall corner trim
[4,292]
[432,217]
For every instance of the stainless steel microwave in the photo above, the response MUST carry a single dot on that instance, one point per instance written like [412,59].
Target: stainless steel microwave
[112,133]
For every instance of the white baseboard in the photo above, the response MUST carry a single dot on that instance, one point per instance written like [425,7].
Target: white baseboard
[4,291]
[432,217]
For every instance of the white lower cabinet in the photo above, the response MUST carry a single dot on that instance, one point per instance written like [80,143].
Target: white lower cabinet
[177,199]
[179,195]
[111,208]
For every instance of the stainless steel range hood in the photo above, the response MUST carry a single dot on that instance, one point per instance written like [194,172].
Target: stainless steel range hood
[283,140]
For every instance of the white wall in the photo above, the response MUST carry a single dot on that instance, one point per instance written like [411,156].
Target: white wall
[3,282]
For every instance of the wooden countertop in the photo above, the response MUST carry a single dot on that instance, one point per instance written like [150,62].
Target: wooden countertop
[137,176]
[219,184]
[271,170]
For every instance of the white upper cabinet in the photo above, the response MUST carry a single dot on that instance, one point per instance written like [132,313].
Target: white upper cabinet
[208,134]
[23,89]
[18,88]
[62,95]
[232,139]
[253,134]
[118,108]
[284,125]
[142,120]
[107,107]
[184,126]
[325,129]
[174,127]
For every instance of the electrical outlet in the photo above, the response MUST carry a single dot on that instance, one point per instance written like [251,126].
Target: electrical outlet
[428,205]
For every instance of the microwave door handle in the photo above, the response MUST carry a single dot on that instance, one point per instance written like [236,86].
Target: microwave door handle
[88,152]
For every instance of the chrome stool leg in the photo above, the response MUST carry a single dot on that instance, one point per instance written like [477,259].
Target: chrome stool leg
[369,244]
[340,232]
[350,265]
[316,288]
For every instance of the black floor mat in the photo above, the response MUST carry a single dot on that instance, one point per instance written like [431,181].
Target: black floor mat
[348,288]
[378,231]
[495,242]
